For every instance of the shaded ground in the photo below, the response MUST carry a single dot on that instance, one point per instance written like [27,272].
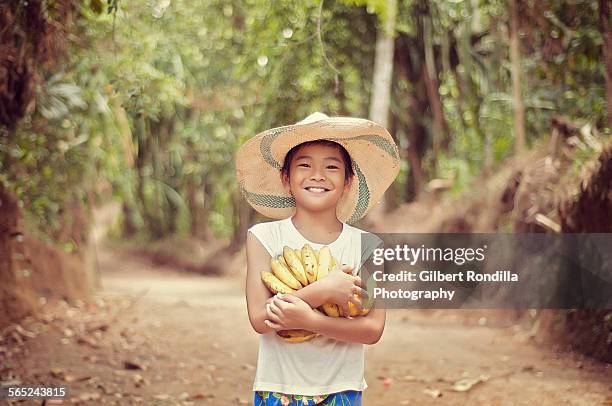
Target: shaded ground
[155,336]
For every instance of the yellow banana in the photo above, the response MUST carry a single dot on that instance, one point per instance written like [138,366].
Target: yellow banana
[352,307]
[282,273]
[310,263]
[295,265]
[331,309]
[281,259]
[296,336]
[298,253]
[274,284]
[324,262]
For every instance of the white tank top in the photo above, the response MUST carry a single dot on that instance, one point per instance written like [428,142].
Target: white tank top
[322,365]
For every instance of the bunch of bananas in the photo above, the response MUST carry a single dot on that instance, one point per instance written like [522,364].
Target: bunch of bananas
[297,268]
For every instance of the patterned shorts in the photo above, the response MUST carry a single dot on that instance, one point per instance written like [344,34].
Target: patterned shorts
[346,398]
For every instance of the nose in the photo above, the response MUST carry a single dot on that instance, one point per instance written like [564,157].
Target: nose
[317,174]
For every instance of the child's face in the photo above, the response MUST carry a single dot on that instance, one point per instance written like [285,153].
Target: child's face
[317,177]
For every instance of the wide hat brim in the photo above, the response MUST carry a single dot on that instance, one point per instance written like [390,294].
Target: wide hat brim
[374,155]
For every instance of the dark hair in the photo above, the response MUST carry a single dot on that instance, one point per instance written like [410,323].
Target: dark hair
[348,166]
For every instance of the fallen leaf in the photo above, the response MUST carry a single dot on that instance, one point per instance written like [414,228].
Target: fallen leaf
[57,373]
[24,332]
[528,368]
[464,385]
[101,327]
[91,358]
[11,382]
[202,396]
[434,393]
[132,365]
[89,396]
[138,380]
[87,340]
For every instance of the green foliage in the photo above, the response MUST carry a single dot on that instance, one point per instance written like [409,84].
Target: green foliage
[155,97]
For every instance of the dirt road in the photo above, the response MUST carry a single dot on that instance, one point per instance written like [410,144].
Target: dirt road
[155,336]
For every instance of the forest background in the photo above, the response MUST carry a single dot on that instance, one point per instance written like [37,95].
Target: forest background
[149,101]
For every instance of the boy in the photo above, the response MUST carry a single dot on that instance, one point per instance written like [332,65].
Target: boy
[315,176]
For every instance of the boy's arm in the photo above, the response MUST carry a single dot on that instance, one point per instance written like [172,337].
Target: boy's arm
[290,312]
[363,329]
[312,295]
[338,287]
[258,259]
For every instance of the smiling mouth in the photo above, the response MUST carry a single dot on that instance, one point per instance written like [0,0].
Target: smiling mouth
[316,189]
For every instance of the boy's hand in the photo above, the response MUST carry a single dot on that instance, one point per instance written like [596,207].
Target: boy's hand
[340,286]
[288,312]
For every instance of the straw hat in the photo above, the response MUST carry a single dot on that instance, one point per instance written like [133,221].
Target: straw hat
[373,152]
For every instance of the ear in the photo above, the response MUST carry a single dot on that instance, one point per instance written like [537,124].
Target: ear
[285,181]
[347,183]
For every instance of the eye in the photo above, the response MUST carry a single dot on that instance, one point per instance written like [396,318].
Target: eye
[303,165]
[332,167]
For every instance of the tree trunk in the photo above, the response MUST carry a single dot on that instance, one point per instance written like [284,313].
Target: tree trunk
[381,84]
[416,148]
[606,29]
[413,107]
[244,212]
[198,199]
[12,303]
[517,100]
[430,75]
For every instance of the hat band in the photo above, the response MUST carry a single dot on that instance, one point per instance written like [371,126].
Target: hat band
[274,201]
[363,195]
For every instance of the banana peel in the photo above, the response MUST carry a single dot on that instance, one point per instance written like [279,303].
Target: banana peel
[274,284]
[309,260]
[295,265]
[296,336]
[284,275]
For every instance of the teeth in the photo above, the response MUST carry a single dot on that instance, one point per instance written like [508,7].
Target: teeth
[315,189]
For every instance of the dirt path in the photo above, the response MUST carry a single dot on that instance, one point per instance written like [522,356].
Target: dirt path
[155,336]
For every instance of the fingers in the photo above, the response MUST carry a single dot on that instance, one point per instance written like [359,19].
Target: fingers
[281,303]
[361,292]
[357,280]
[273,325]
[272,316]
[288,298]
[347,269]
[345,310]
[357,303]
[275,309]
